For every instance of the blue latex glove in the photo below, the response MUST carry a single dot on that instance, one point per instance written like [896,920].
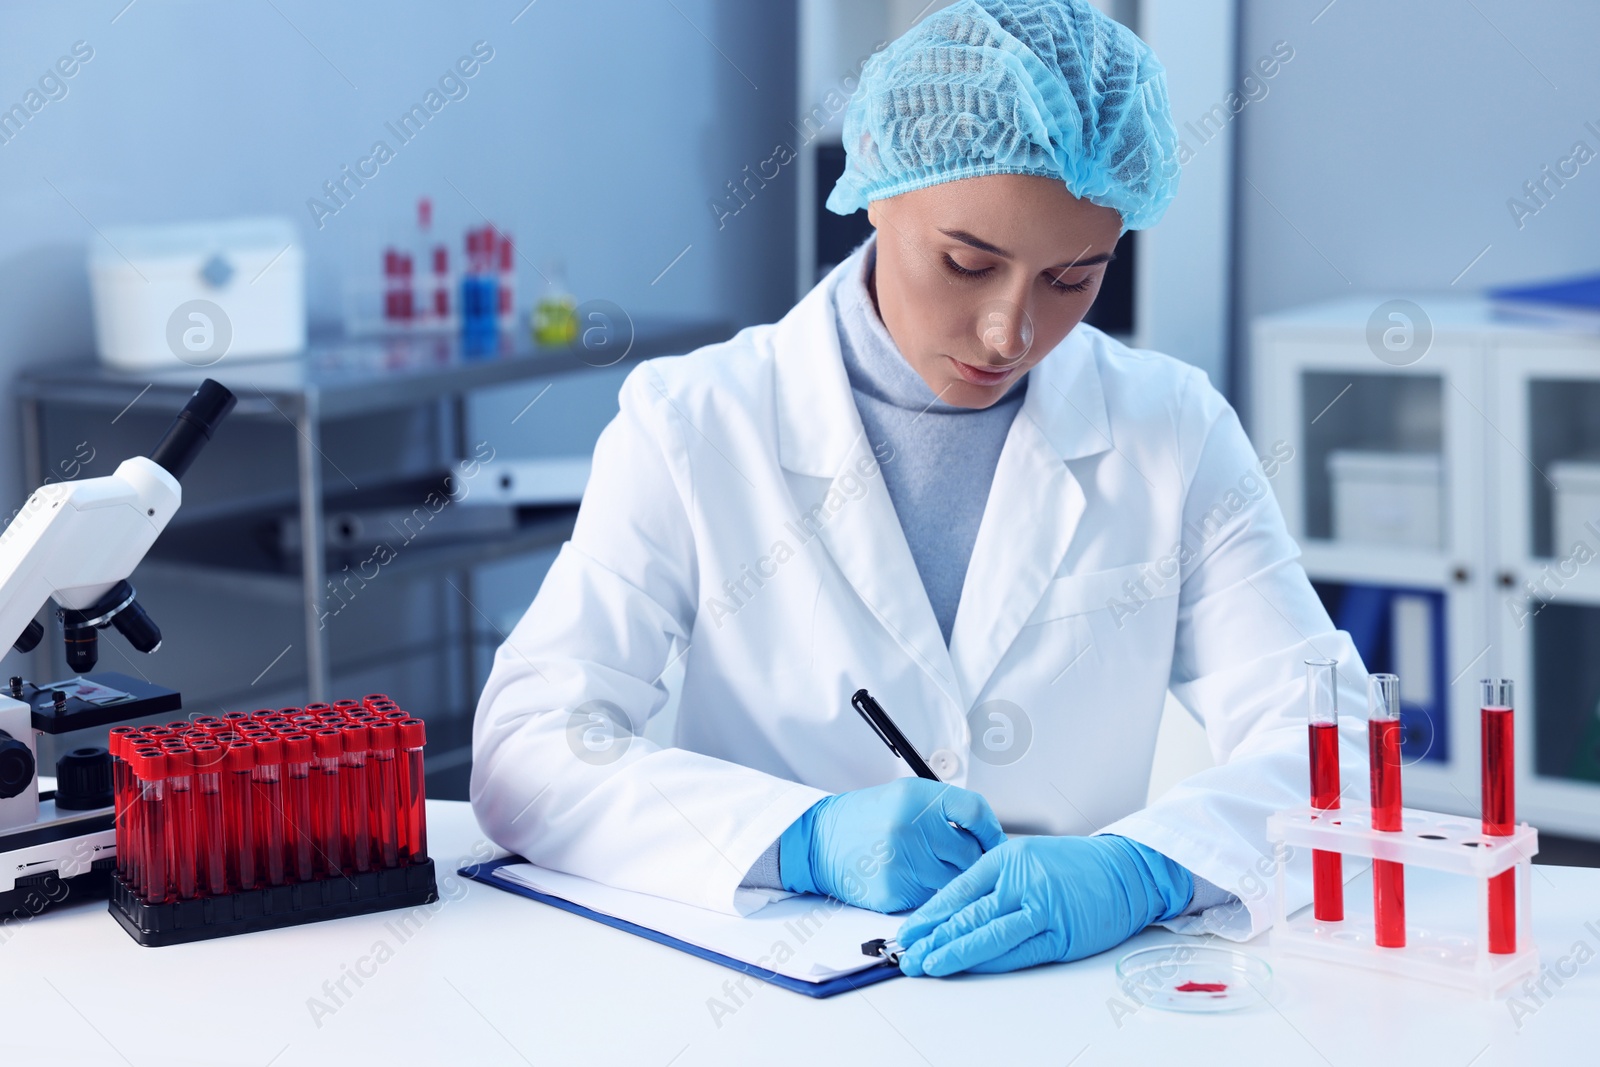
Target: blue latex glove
[887,847]
[1042,899]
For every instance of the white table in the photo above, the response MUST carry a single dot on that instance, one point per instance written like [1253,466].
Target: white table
[490,978]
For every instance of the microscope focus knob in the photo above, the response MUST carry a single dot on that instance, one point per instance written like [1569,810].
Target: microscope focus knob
[16,766]
[83,779]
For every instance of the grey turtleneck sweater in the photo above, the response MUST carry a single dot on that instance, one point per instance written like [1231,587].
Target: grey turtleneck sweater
[940,459]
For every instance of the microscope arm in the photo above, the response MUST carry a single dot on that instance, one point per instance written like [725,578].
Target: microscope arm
[76,541]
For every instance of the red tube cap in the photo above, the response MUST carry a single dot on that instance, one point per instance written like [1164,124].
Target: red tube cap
[269,751]
[318,707]
[297,748]
[355,737]
[383,736]
[413,734]
[241,756]
[206,756]
[151,764]
[327,743]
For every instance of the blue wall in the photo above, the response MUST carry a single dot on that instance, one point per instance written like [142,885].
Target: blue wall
[1383,159]
[599,133]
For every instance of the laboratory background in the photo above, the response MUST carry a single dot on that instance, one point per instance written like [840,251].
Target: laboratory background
[423,245]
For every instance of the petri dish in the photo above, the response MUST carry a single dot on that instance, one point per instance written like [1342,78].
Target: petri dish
[1199,979]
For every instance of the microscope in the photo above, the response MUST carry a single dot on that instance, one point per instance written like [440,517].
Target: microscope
[76,543]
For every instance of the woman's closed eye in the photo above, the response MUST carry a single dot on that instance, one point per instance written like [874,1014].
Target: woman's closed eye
[1055,280]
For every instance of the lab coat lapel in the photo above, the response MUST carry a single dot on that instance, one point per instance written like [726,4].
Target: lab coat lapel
[820,437]
[1033,510]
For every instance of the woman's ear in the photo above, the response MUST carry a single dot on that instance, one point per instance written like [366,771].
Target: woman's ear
[872,217]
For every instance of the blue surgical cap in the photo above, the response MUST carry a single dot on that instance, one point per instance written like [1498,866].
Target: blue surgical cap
[1049,87]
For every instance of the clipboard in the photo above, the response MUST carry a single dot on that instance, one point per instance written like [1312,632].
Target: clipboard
[487,873]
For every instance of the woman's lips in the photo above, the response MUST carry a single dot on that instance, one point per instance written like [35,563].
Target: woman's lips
[981,375]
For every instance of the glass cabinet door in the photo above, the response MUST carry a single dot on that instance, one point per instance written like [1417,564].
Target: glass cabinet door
[1385,494]
[1545,602]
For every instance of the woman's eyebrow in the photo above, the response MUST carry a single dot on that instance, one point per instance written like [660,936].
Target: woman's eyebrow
[984,246]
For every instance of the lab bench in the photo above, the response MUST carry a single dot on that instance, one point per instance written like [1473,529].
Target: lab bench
[484,977]
[399,404]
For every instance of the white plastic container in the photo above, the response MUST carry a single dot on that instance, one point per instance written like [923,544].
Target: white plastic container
[1393,499]
[194,293]
[1577,505]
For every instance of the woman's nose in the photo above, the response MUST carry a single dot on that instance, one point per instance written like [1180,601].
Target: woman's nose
[1005,329]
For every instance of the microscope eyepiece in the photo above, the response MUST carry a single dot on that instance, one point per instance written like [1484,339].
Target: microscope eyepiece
[193,427]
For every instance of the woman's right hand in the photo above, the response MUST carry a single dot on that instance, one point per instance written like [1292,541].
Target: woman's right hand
[888,847]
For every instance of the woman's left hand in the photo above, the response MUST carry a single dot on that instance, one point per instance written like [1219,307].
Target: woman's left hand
[1042,899]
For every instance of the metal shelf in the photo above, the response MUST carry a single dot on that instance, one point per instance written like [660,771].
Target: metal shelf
[337,378]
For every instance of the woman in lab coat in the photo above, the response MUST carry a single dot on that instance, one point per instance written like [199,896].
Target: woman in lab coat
[930,480]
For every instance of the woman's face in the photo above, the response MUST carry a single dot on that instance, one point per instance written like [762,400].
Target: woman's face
[979,279]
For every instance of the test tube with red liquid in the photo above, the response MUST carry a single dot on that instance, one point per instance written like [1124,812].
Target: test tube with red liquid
[328,751]
[181,846]
[297,827]
[239,814]
[1322,700]
[1499,806]
[266,779]
[383,793]
[1383,745]
[152,771]
[353,783]
[211,864]
[413,737]
[114,745]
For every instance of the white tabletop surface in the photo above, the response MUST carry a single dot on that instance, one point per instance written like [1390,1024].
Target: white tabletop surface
[490,978]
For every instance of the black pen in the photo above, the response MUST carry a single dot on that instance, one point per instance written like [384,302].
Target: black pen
[885,728]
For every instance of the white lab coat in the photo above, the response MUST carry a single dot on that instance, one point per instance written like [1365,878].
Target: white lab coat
[736,520]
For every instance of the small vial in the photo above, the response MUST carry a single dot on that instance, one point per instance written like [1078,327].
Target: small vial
[1498,766]
[182,848]
[327,746]
[353,783]
[383,794]
[506,277]
[1383,748]
[239,764]
[115,740]
[266,779]
[413,736]
[299,834]
[211,865]
[1327,868]
[137,857]
[155,886]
